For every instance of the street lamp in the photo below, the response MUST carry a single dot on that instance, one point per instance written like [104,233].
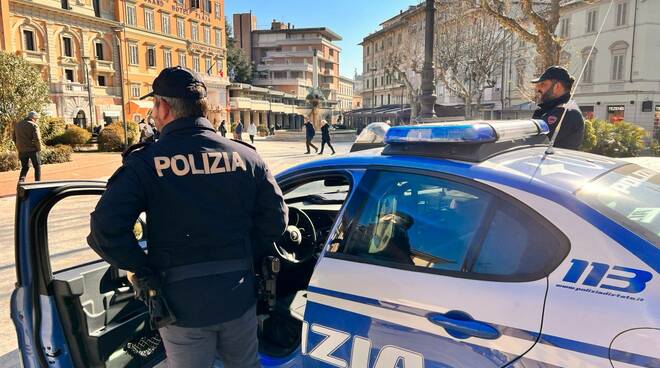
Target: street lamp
[89,91]
[427,98]
[373,92]
[121,84]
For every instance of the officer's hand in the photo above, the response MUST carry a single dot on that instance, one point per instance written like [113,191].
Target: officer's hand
[131,277]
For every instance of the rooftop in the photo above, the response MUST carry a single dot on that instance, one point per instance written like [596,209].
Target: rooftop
[325,32]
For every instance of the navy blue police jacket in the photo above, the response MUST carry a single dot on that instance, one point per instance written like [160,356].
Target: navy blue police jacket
[571,132]
[206,198]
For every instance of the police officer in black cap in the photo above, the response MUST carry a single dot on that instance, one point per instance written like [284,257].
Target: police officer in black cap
[552,94]
[208,200]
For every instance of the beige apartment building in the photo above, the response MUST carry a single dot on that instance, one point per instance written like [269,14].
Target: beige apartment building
[345,94]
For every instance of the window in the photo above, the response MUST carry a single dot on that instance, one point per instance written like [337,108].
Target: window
[151,57]
[592,19]
[68,74]
[629,196]
[218,14]
[564,27]
[65,4]
[135,90]
[618,50]
[133,53]
[193,31]
[99,50]
[131,19]
[70,208]
[149,19]
[520,73]
[196,63]
[622,14]
[218,38]
[167,57]
[182,59]
[165,20]
[28,40]
[208,65]
[206,4]
[425,223]
[207,35]
[588,76]
[100,80]
[368,50]
[67,48]
[180,28]
[194,4]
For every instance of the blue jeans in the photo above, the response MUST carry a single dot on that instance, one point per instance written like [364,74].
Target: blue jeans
[234,342]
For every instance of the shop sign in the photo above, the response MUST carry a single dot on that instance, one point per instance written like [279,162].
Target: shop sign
[616,108]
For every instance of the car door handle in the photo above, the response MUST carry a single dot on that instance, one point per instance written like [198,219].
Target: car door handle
[461,325]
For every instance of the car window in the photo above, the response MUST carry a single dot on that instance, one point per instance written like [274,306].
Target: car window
[420,222]
[329,189]
[68,227]
[630,195]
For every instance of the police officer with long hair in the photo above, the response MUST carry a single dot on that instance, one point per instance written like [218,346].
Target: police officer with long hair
[208,201]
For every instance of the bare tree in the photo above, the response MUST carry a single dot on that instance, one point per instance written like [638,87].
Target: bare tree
[468,54]
[533,21]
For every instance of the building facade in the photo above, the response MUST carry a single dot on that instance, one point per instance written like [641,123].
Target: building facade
[621,77]
[159,34]
[345,94]
[265,106]
[70,41]
[100,55]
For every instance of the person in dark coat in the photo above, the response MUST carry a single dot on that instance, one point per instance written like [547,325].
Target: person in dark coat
[27,138]
[309,135]
[223,129]
[201,231]
[325,137]
[553,93]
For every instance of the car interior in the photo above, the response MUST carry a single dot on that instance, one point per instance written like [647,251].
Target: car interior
[313,205]
[107,327]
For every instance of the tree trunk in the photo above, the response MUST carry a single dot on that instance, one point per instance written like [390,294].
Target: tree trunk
[549,50]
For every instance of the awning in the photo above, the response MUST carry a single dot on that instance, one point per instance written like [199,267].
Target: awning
[143,104]
[111,114]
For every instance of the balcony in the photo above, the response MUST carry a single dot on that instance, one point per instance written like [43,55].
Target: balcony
[280,54]
[215,80]
[282,82]
[35,57]
[281,67]
[69,88]
[106,91]
[106,66]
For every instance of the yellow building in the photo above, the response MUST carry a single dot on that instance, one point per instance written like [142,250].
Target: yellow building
[69,40]
[158,34]
[90,49]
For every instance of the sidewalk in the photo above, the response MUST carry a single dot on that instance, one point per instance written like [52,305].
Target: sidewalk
[83,166]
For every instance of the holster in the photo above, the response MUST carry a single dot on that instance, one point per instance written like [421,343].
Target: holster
[149,290]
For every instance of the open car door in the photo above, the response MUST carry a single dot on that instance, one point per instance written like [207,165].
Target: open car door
[70,308]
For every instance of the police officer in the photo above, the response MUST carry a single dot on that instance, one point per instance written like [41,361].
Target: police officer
[207,200]
[552,94]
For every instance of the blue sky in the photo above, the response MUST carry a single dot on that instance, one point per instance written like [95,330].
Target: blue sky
[353,20]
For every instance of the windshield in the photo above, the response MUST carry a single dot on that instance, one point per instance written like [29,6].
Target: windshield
[630,195]
[373,133]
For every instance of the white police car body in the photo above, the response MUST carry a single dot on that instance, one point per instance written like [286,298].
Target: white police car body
[459,245]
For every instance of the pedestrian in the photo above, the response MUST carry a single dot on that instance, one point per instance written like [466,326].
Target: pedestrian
[201,230]
[238,132]
[552,95]
[252,131]
[223,129]
[309,135]
[27,138]
[325,137]
[146,132]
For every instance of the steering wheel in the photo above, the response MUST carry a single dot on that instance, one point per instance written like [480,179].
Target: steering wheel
[298,243]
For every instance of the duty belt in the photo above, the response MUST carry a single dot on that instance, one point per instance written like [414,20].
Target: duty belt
[194,270]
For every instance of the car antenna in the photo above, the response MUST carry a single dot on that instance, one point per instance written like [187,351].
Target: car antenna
[550,150]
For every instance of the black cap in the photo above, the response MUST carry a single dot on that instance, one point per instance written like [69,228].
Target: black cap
[178,82]
[557,73]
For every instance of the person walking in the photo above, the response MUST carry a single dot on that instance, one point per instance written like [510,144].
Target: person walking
[238,132]
[325,137]
[199,257]
[27,138]
[252,131]
[309,135]
[223,129]
[146,132]
[552,94]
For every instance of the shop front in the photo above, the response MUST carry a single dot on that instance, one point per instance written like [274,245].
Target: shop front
[615,113]
[587,112]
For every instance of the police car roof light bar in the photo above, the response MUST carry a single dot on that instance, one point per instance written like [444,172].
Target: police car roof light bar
[468,132]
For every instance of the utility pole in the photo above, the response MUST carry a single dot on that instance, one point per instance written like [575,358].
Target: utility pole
[427,98]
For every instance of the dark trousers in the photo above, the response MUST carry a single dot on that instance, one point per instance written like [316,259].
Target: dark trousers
[234,342]
[25,158]
[252,138]
[308,143]
[323,143]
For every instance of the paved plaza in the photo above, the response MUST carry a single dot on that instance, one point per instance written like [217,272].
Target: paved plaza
[70,225]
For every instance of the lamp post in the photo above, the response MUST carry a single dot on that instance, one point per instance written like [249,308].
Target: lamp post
[373,92]
[89,91]
[121,85]
[427,98]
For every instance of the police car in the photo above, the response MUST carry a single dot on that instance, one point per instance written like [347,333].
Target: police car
[456,245]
